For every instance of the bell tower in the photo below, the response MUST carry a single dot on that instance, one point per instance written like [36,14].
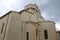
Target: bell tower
[33,8]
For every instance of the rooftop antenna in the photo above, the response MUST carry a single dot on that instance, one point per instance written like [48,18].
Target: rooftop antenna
[34,2]
[57,29]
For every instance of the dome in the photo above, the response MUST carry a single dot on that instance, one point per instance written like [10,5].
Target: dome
[32,6]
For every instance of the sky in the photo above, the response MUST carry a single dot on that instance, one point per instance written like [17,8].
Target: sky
[50,9]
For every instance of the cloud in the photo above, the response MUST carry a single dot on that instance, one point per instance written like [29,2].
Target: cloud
[43,1]
[3,10]
[7,3]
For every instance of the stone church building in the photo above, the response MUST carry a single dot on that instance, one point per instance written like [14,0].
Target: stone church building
[28,24]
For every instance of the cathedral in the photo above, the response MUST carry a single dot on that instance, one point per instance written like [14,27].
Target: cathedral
[27,24]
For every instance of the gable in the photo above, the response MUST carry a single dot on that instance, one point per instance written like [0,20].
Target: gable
[5,14]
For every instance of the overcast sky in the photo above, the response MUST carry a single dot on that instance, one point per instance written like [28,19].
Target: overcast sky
[50,9]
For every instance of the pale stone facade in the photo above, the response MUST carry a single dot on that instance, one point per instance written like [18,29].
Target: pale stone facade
[27,24]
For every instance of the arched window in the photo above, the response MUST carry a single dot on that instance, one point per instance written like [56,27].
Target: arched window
[2,28]
[45,34]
